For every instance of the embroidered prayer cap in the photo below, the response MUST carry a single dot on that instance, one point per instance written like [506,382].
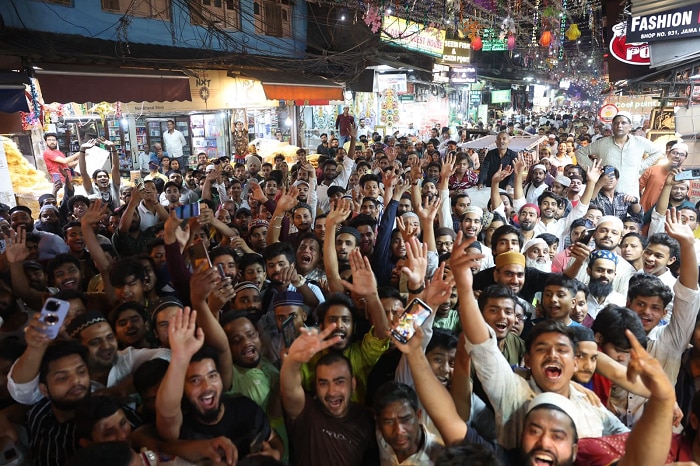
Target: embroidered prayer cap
[83,321]
[258,223]
[510,257]
[288,298]
[603,254]
[474,209]
[162,303]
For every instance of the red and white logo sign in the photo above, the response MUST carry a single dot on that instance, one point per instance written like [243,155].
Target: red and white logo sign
[607,112]
[633,53]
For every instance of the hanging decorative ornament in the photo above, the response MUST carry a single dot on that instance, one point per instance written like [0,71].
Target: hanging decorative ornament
[476,43]
[511,42]
[546,38]
[573,33]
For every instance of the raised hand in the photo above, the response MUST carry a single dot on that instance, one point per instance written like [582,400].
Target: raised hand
[288,199]
[389,178]
[89,144]
[676,228]
[671,177]
[448,166]
[96,212]
[173,232]
[428,211]
[203,282]
[414,344]
[400,188]
[184,336]
[16,246]
[461,262]
[256,193]
[339,212]
[212,176]
[416,262]
[593,172]
[364,282]
[519,165]
[501,174]
[310,341]
[439,288]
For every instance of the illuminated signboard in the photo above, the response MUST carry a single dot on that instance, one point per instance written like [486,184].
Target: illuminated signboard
[491,41]
[463,75]
[457,51]
[413,36]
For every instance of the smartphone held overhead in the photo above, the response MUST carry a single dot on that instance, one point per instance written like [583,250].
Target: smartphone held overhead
[417,312]
[53,314]
[690,174]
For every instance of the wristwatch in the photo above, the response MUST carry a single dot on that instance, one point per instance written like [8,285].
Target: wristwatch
[303,282]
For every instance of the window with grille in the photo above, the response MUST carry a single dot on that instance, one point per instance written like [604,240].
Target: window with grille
[220,13]
[272,17]
[142,8]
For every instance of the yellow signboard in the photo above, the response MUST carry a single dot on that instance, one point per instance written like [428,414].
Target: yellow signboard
[413,36]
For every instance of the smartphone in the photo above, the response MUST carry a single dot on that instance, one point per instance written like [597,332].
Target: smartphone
[199,255]
[417,311]
[55,177]
[691,174]
[138,182]
[610,171]
[222,273]
[53,314]
[187,210]
[289,332]
[587,237]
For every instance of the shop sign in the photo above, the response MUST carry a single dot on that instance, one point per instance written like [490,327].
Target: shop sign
[463,75]
[492,42]
[632,53]
[638,105]
[441,73]
[393,81]
[666,25]
[407,98]
[475,98]
[457,51]
[413,36]
[607,113]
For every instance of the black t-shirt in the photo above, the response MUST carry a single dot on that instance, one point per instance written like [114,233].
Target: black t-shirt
[242,422]
[317,439]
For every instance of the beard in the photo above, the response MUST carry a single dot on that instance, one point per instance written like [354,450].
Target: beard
[599,288]
[68,405]
[543,266]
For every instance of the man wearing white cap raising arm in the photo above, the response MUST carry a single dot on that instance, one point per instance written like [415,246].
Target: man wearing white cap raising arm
[552,431]
[623,151]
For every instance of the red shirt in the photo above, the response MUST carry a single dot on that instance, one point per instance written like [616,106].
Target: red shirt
[51,164]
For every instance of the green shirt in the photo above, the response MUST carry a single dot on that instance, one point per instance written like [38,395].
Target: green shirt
[449,322]
[363,355]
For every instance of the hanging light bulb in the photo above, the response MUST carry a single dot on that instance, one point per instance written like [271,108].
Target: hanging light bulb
[546,39]
[511,42]
[476,43]
[573,32]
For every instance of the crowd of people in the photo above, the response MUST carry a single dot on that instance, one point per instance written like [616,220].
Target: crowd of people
[264,313]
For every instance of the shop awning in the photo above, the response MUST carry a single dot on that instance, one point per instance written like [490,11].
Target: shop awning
[95,85]
[13,99]
[299,88]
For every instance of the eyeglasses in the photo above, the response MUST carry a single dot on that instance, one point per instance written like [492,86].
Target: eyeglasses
[447,244]
[675,152]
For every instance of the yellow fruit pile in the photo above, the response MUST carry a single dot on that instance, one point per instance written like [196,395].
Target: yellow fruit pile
[26,180]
